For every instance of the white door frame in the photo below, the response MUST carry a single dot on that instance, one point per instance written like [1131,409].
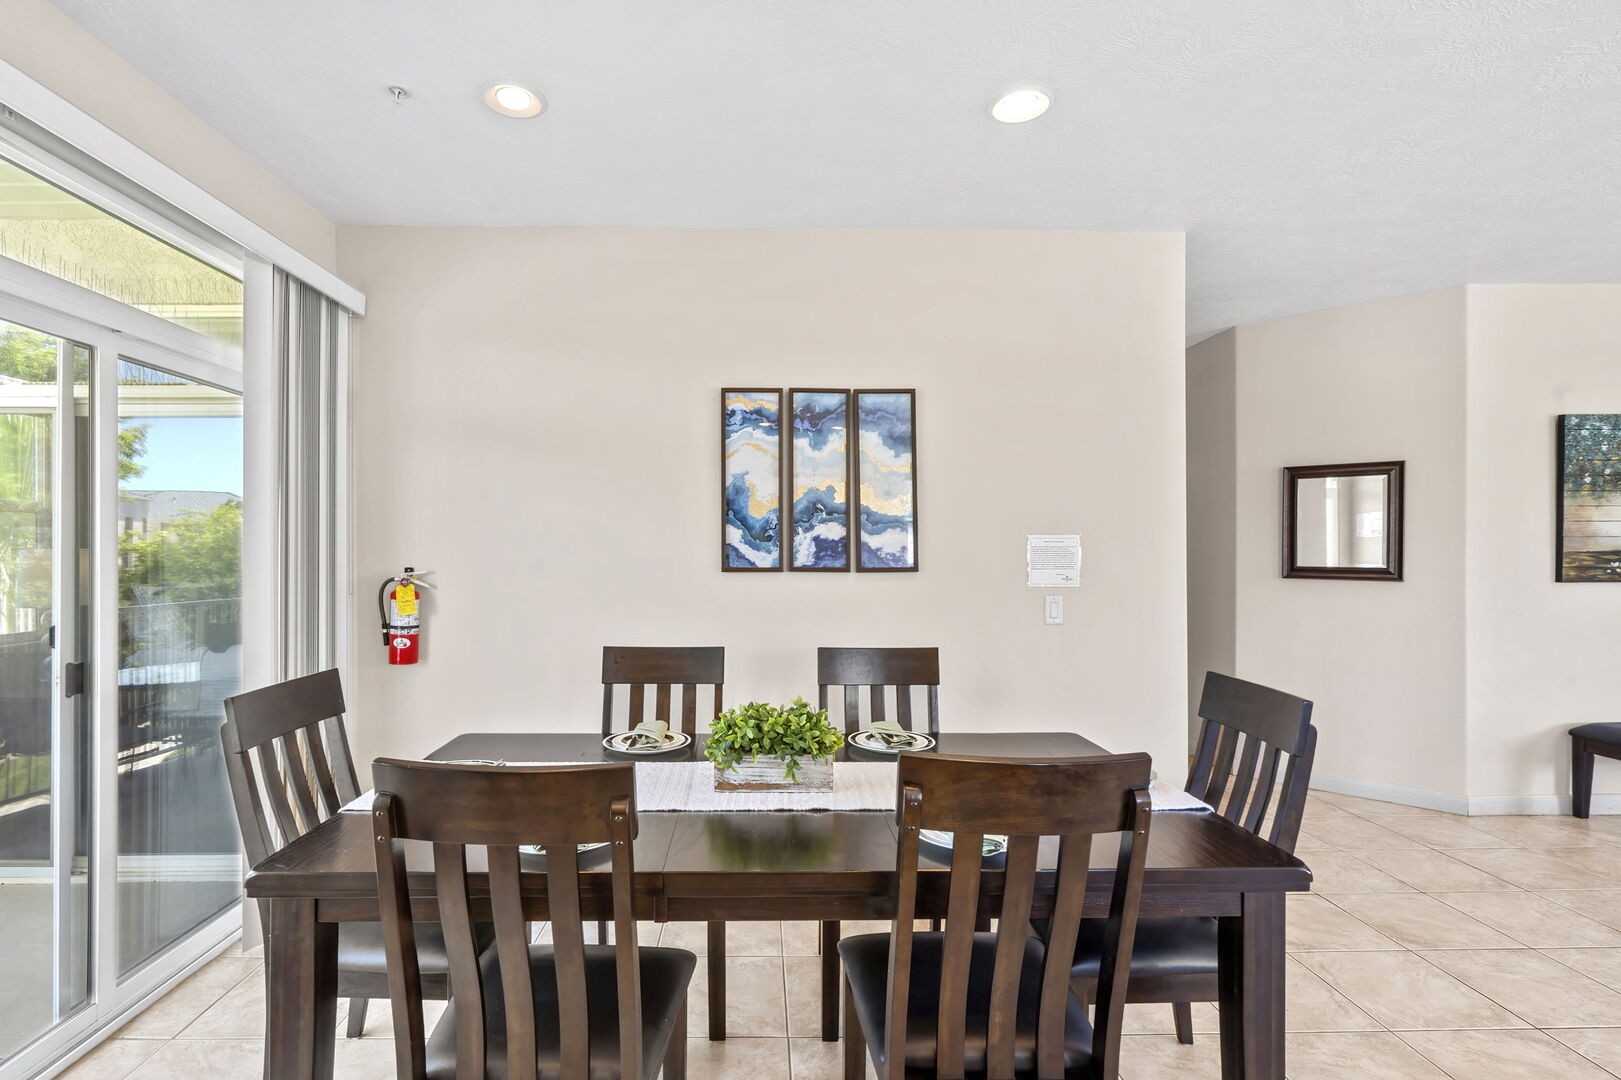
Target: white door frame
[112,331]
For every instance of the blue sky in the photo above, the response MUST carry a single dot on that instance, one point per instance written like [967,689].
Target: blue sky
[191,453]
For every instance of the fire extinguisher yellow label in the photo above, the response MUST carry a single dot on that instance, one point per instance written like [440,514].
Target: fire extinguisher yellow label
[405,598]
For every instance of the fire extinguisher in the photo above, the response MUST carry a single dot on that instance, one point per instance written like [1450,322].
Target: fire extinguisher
[399,604]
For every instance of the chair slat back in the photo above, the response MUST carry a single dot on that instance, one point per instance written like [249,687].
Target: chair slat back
[637,668]
[878,671]
[294,732]
[500,807]
[1249,732]
[1071,799]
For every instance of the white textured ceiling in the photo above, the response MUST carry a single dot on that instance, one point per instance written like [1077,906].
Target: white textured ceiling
[1316,152]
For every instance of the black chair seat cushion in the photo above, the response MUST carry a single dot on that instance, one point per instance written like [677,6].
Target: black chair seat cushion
[1604,733]
[665,975]
[1180,946]
[866,965]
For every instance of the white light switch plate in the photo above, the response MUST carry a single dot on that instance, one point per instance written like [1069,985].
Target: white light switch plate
[1055,609]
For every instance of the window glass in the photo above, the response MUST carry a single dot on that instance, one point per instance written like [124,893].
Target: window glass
[179,654]
[52,230]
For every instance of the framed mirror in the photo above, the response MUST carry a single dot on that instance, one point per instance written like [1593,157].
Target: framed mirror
[1343,521]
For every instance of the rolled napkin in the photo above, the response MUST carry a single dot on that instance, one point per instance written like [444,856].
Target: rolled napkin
[651,734]
[891,733]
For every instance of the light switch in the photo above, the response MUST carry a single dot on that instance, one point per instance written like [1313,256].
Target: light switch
[1055,610]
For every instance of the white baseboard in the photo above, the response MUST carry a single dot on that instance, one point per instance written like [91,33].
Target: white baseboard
[1538,804]
[1396,793]
[1472,805]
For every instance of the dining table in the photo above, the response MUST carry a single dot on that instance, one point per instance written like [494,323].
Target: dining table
[775,865]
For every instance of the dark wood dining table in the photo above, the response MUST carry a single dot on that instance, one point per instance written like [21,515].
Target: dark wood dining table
[779,865]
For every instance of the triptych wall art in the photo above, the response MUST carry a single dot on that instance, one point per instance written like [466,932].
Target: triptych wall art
[849,454]
[1589,497]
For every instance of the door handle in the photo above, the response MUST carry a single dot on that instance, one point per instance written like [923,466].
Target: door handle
[72,680]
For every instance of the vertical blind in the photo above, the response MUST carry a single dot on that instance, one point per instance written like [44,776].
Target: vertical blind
[309,482]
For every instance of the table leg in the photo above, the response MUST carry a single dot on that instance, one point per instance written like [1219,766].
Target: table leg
[301,972]
[717,981]
[830,982]
[1251,981]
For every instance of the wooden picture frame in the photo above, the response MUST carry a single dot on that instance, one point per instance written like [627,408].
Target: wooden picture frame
[1391,525]
[751,479]
[885,537]
[1587,521]
[817,537]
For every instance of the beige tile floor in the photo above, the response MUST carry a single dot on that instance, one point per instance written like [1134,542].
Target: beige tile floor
[1433,946]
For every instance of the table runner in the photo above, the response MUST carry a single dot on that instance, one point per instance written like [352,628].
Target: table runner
[857,785]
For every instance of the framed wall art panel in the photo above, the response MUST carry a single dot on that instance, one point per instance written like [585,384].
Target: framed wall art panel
[886,480]
[1589,524]
[751,479]
[819,480]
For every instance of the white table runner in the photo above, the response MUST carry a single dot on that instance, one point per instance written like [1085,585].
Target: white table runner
[857,785]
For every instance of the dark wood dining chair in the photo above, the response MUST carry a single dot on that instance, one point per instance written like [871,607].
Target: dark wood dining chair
[294,730]
[999,1004]
[661,670]
[609,1012]
[1256,743]
[639,669]
[878,671]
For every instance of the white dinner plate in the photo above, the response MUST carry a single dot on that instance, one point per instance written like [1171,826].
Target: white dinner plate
[673,740]
[536,849]
[866,740]
[992,846]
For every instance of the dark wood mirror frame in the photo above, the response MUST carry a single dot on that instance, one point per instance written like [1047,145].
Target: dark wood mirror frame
[1392,569]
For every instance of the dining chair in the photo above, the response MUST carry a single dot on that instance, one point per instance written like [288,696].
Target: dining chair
[878,671]
[999,1004]
[1250,733]
[295,730]
[610,1012]
[662,669]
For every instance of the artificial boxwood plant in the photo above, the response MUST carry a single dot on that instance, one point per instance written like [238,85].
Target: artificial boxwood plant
[787,734]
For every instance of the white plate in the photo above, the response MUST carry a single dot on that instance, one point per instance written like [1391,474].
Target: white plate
[536,849]
[673,740]
[993,844]
[866,740]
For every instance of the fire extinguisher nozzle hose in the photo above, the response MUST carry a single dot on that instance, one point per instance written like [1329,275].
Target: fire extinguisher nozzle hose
[382,606]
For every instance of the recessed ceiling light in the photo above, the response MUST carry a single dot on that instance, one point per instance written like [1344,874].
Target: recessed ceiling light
[510,99]
[1020,105]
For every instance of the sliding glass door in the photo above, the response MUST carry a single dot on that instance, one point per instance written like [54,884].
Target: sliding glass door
[179,654]
[121,480]
[45,899]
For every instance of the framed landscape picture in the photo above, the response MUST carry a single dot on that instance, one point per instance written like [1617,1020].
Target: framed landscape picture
[819,480]
[886,480]
[1589,497]
[751,479]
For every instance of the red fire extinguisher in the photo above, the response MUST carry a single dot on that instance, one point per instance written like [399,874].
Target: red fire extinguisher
[399,602]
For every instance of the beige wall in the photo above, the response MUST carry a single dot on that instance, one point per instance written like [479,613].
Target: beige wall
[536,420]
[1383,661]
[1455,687]
[1212,513]
[53,50]
[1542,656]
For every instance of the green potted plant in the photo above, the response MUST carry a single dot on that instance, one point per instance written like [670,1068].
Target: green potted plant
[759,747]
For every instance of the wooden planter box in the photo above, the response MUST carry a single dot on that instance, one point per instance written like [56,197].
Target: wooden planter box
[769,774]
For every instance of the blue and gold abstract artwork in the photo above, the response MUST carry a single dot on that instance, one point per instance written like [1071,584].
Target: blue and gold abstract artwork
[886,480]
[819,479]
[751,471]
